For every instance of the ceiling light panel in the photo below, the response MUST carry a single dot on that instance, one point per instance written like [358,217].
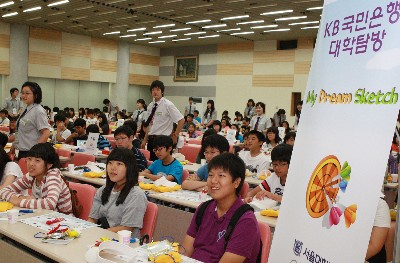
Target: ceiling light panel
[290,18]
[235,17]
[277,12]
[7,4]
[58,3]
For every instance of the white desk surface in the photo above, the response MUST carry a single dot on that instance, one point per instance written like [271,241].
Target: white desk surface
[80,177]
[173,199]
[391,185]
[252,180]
[72,252]
[192,167]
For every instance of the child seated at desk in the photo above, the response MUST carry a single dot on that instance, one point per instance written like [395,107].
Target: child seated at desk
[255,160]
[4,121]
[80,132]
[273,186]
[120,204]
[192,131]
[166,165]
[91,119]
[49,190]
[212,146]
[61,133]
[206,242]
[9,170]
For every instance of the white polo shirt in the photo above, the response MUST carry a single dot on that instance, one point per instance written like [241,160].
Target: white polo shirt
[166,114]
[263,124]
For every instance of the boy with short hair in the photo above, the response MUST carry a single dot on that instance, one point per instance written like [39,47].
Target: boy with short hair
[61,133]
[254,159]
[124,137]
[212,146]
[80,132]
[4,121]
[274,185]
[206,242]
[196,116]
[91,119]
[245,125]
[189,119]
[165,165]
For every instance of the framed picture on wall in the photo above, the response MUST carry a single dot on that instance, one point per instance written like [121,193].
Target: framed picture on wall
[186,68]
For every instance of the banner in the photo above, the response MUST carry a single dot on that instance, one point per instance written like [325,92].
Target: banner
[344,135]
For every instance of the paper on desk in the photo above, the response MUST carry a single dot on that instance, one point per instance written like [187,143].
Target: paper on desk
[265,203]
[94,167]
[164,182]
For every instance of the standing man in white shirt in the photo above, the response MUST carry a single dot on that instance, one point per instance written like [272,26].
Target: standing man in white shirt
[112,110]
[13,105]
[189,109]
[161,113]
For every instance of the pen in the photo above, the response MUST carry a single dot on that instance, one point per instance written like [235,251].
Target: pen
[26,211]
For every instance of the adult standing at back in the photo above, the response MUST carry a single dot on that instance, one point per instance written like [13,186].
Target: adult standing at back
[260,122]
[189,109]
[138,115]
[13,104]
[250,109]
[32,125]
[111,109]
[162,114]
[210,115]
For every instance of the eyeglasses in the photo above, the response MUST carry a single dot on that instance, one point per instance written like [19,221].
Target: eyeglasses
[158,149]
[275,165]
[120,139]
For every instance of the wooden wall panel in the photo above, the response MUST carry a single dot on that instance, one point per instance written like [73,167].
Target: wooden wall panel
[274,56]
[239,69]
[4,41]
[144,59]
[302,67]
[104,43]
[305,43]
[4,68]
[236,47]
[44,59]
[273,81]
[141,79]
[75,74]
[75,50]
[45,34]
[104,65]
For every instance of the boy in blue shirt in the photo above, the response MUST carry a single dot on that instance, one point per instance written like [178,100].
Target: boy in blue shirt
[212,146]
[166,165]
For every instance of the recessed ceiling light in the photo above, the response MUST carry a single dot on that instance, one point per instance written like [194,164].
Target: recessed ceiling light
[7,3]
[142,39]
[266,26]
[180,29]
[210,36]
[315,8]
[214,26]
[227,30]
[10,14]
[32,9]
[161,26]
[243,33]
[235,17]
[251,22]
[194,33]
[277,30]
[310,27]
[181,39]
[304,23]
[155,42]
[276,12]
[290,18]
[199,21]
[112,33]
[136,29]
[152,33]
[168,36]
[58,3]
[133,35]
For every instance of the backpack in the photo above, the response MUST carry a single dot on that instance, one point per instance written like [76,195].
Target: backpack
[76,206]
[232,223]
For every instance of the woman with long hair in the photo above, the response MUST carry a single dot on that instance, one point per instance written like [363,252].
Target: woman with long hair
[210,115]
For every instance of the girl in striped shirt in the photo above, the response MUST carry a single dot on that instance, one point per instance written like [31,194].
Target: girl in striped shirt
[49,190]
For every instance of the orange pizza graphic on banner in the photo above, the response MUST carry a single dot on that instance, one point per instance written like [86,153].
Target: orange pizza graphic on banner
[322,197]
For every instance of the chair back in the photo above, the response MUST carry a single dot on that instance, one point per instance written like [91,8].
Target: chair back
[64,153]
[265,234]
[149,220]
[23,165]
[185,175]
[194,141]
[85,194]
[146,153]
[244,190]
[190,151]
[82,158]
[113,143]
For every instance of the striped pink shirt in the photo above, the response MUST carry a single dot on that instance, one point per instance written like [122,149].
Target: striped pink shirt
[55,193]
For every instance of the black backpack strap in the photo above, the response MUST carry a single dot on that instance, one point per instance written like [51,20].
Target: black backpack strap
[200,212]
[235,218]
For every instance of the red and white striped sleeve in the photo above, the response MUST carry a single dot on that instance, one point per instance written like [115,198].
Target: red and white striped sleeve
[14,189]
